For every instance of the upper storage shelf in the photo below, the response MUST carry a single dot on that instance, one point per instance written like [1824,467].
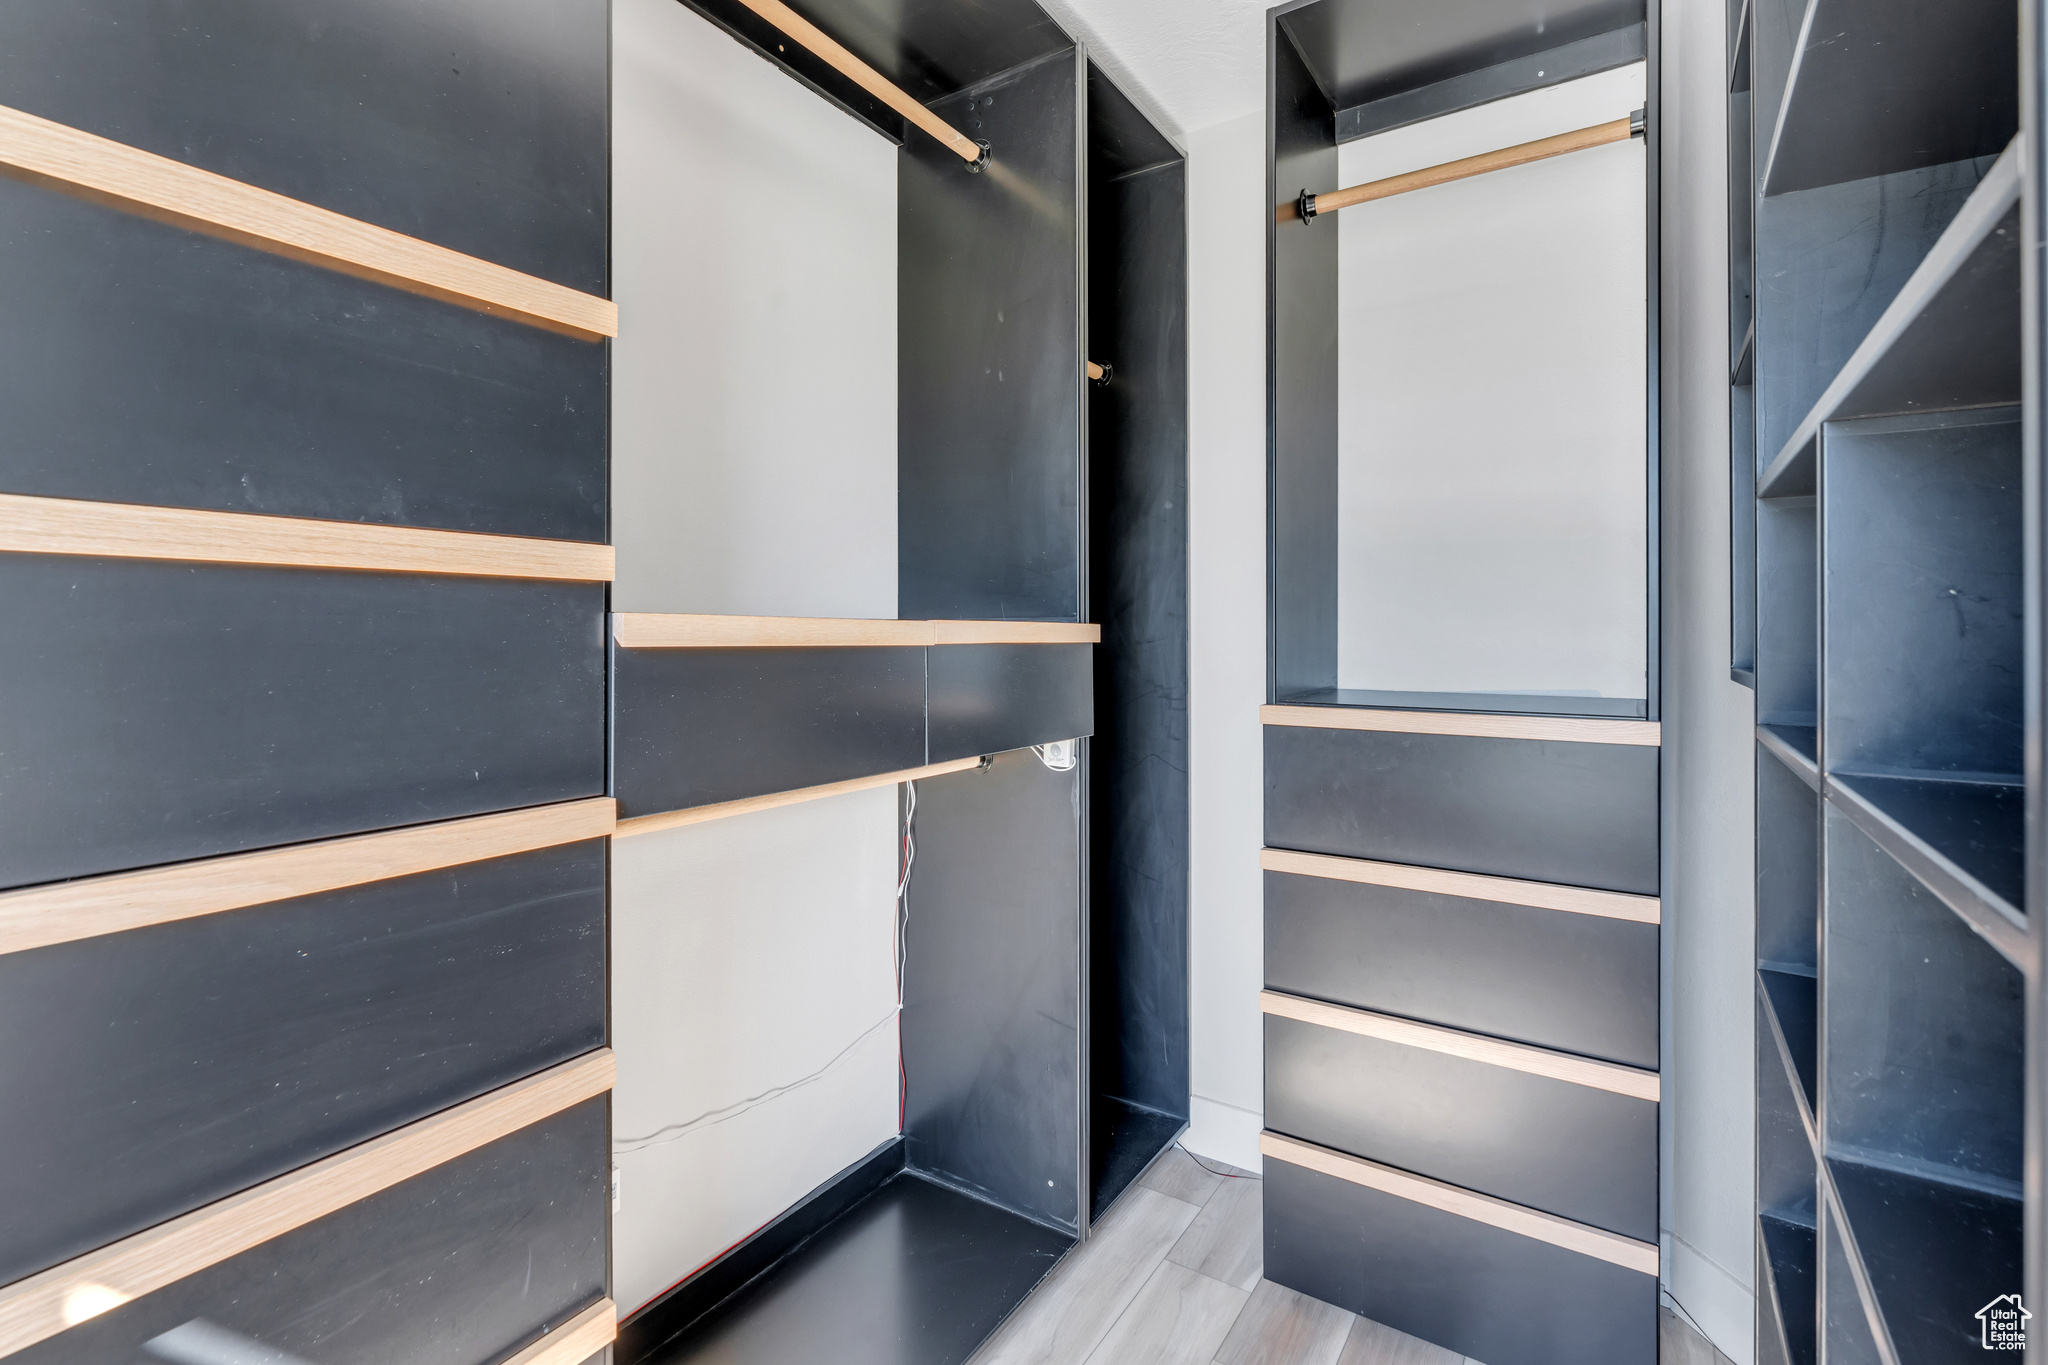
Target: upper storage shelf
[1878,86]
[1949,339]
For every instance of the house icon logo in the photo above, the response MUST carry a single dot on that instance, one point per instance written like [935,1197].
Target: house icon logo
[2004,1323]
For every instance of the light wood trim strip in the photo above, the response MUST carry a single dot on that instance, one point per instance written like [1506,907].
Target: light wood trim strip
[1480,725]
[576,1340]
[39,916]
[120,530]
[1599,135]
[665,630]
[41,1306]
[1535,1061]
[1015,633]
[1599,1243]
[79,163]
[697,815]
[1573,900]
[864,76]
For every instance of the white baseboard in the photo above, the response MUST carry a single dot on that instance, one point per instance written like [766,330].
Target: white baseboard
[1718,1303]
[1223,1132]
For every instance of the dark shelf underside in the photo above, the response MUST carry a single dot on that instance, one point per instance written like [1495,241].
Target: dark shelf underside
[1511,703]
[1978,826]
[915,1274]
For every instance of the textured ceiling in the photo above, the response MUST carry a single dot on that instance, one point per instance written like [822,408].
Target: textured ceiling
[1188,63]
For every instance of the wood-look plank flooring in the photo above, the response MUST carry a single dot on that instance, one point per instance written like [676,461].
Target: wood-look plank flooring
[1174,1277]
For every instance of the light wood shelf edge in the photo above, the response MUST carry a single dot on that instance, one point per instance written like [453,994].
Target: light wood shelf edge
[576,1340]
[670,630]
[75,162]
[45,1304]
[1573,900]
[38,916]
[1612,1077]
[1480,725]
[697,815]
[120,530]
[1599,1243]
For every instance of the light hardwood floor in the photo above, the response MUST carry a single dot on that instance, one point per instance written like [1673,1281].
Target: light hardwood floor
[1173,1277]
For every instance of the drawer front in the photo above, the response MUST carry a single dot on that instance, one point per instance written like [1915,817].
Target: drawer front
[1544,810]
[692,727]
[153,1071]
[462,1265]
[1479,1290]
[153,365]
[990,699]
[162,712]
[1575,982]
[479,125]
[1579,1152]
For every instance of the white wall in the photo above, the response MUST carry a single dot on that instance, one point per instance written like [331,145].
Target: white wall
[1491,407]
[1709,879]
[754,378]
[754,471]
[1226,632]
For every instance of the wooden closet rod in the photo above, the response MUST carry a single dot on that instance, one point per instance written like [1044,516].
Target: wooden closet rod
[1599,135]
[821,44]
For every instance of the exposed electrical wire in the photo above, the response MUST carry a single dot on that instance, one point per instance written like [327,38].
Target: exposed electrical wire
[1227,1175]
[903,947]
[711,1118]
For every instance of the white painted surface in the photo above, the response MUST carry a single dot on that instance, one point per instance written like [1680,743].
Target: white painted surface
[1226,632]
[1187,63]
[1491,358]
[754,471]
[754,378]
[1709,886]
[747,954]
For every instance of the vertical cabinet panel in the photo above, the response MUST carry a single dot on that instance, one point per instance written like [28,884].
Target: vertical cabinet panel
[462,1265]
[479,125]
[162,712]
[990,506]
[1541,810]
[149,364]
[991,1007]
[150,1072]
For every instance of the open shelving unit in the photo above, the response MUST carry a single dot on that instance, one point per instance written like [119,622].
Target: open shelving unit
[1879,552]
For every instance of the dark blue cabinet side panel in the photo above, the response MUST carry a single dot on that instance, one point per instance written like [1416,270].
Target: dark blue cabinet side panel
[158,712]
[462,1265]
[992,992]
[150,1072]
[989,495]
[148,364]
[480,125]
[1578,983]
[1482,1292]
[692,727]
[1584,1154]
[990,699]
[1543,810]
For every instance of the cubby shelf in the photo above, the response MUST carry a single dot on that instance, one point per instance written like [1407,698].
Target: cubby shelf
[1796,746]
[1793,1001]
[1962,840]
[1893,85]
[1928,1249]
[1949,339]
[1738,65]
[1788,1261]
